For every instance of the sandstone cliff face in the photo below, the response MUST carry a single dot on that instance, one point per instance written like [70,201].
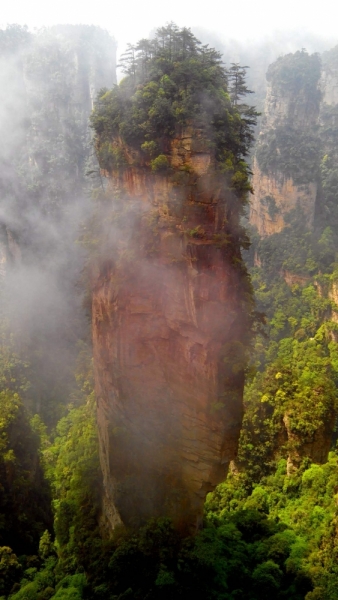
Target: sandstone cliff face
[291,111]
[333,296]
[168,319]
[284,105]
[274,197]
[292,279]
[290,186]
[329,77]
[300,109]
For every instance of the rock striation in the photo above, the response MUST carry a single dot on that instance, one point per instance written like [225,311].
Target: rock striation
[301,93]
[169,311]
[275,196]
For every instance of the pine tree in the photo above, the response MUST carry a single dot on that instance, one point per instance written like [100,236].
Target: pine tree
[237,83]
[128,61]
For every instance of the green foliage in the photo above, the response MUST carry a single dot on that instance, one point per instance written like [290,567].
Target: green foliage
[10,569]
[290,148]
[296,391]
[13,369]
[25,497]
[298,249]
[156,563]
[160,163]
[305,503]
[70,460]
[271,205]
[291,151]
[71,587]
[296,72]
[173,82]
[149,148]
[291,400]
[111,157]
[73,468]
[46,546]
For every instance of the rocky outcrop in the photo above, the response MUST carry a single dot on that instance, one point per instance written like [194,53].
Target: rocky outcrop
[333,296]
[302,91]
[274,197]
[333,292]
[292,279]
[329,77]
[169,322]
[284,169]
[317,445]
[287,103]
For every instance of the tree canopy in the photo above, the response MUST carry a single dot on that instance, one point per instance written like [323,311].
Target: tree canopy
[173,81]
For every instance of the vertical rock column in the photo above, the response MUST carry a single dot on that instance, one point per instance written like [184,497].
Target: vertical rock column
[285,168]
[169,310]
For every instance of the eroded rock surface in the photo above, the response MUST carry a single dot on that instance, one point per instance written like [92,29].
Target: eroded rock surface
[275,196]
[170,300]
[284,170]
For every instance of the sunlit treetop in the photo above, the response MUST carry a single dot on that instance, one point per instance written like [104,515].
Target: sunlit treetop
[172,81]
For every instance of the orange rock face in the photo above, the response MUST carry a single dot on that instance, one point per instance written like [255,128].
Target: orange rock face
[169,321]
[285,196]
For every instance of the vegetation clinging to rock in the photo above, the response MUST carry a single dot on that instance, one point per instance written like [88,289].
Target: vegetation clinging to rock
[292,146]
[173,81]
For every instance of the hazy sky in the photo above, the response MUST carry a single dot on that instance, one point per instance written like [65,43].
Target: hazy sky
[129,20]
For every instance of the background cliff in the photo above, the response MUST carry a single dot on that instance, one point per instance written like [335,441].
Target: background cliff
[293,214]
[296,140]
[287,459]
[285,166]
[48,81]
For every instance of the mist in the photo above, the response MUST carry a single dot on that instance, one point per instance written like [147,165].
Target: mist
[168,392]
[48,83]
[49,79]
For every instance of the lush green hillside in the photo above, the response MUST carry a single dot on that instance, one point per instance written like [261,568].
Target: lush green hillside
[284,468]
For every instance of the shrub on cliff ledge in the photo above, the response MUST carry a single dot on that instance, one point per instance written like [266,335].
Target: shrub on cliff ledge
[160,163]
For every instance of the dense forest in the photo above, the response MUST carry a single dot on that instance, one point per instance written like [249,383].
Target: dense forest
[270,529]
